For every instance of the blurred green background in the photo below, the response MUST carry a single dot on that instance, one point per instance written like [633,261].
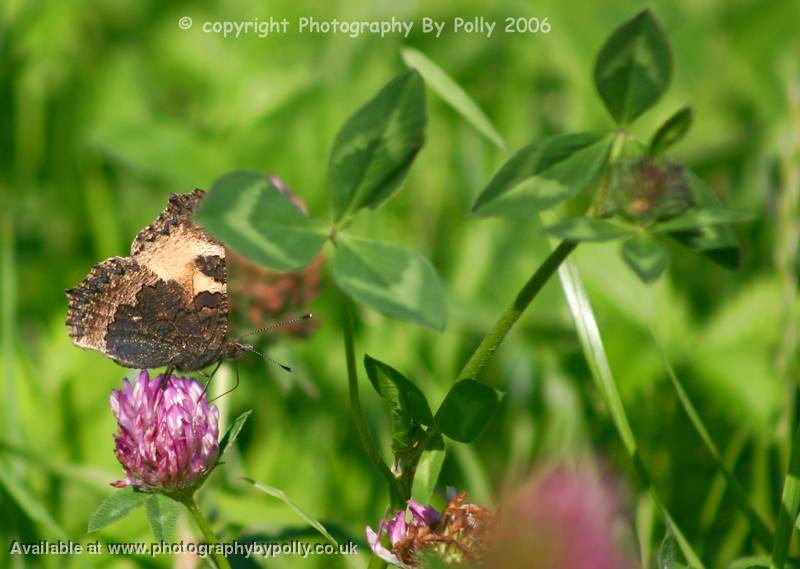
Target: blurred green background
[107,106]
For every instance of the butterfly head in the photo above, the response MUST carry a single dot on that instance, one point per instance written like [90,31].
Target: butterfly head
[234,350]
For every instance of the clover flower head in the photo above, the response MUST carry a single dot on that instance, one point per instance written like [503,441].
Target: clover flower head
[562,518]
[168,433]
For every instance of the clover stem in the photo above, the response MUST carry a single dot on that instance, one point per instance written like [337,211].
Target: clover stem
[395,492]
[219,559]
[488,346]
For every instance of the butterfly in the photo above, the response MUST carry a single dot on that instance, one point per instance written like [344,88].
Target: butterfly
[164,305]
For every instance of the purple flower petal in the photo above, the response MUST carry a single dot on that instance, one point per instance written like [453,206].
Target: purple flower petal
[374,541]
[396,528]
[423,515]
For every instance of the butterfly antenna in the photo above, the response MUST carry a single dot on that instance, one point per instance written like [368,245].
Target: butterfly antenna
[284,367]
[277,325]
[236,371]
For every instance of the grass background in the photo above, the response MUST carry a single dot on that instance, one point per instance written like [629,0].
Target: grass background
[107,106]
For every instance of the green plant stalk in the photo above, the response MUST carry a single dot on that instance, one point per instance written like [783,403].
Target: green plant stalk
[219,559]
[790,505]
[396,493]
[488,346]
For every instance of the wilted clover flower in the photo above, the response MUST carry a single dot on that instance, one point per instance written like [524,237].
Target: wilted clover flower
[262,295]
[167,439]
[456,536]
[562,518]
[651,189]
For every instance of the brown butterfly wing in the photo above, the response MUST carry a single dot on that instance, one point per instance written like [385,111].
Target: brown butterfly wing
[166,305]
[94,302]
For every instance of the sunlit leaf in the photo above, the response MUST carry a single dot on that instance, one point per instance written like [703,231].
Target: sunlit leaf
[232,432]
[115,507]
[398,391]
[252,217]
[702,217]
[408,406]
[467,410]
[633,68]
[646,256]
[668,554]
[544,174]
[375,148]
[717,242]
[389,279]
[428,469]
[586,229]
[162,515]
[671,132]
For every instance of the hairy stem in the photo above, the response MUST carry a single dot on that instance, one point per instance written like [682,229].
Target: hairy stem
[397,498]
[208,534]
[488,346]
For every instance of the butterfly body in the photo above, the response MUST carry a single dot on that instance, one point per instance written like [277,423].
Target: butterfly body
[164,305]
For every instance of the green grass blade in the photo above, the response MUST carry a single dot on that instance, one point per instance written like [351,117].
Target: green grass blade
[645,523]
[595,354]
[452,93]
[710,509]
[91,477]
[790,505]
[8,280]
[762,533]
[281,495]
[34,509]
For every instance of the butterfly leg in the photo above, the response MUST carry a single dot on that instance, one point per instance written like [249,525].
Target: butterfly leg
[209,377]
[236,370]
[166,375]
